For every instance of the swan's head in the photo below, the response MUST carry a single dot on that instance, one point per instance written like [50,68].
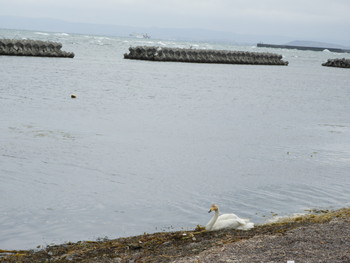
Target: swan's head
[214,208]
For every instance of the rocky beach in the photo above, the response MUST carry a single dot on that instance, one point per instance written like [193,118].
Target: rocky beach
[319,236]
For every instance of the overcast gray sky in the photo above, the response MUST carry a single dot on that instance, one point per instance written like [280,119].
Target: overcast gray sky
[304,19]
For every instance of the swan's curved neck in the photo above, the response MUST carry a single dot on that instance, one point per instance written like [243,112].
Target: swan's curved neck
[212,221]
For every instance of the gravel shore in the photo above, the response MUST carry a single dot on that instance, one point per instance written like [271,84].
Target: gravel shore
[327,242]
[321,237]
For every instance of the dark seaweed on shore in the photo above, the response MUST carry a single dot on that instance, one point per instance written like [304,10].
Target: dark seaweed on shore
[163,247]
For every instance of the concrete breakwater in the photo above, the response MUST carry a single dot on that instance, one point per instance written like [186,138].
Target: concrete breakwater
[337,50]
[338,62]
[203,56]
[37,48]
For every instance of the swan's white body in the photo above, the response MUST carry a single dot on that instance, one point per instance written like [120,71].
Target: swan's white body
[227,221]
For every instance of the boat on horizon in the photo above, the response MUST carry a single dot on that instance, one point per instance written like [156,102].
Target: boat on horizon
[140,36]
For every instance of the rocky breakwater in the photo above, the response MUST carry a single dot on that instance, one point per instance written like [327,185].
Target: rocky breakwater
[338,62]
[203,56]
[37,48]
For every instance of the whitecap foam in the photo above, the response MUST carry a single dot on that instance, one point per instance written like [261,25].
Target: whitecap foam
[62,34]
[42,33]
[161,43]
[102,38]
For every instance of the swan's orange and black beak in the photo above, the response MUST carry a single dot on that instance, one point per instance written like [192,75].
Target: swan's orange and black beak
[213,208]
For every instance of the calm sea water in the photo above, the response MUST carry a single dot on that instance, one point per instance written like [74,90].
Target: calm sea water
[148,147]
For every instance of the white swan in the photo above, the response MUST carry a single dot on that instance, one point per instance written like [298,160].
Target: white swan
[227,221]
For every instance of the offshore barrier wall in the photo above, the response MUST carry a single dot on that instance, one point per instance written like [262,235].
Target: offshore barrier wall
[338,62]
[37,48]
[203,56]
[337,50]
